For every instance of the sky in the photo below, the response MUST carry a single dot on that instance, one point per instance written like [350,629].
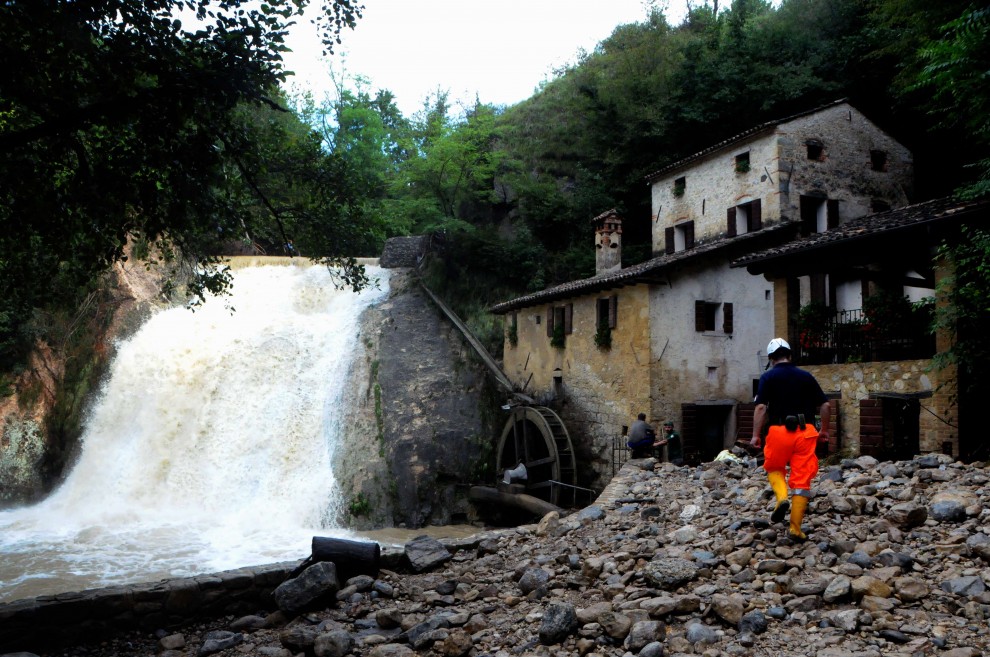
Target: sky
[500,50]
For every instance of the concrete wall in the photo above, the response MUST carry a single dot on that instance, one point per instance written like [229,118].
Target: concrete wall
[691,366]
[600,389]
[858,381]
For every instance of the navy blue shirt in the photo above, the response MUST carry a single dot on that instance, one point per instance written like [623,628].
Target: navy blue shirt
[788,390]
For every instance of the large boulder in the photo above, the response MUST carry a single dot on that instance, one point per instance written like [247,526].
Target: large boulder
[315,584]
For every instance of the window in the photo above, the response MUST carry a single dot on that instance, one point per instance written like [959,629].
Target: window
[605,321]
[742,162]
[607,312]
[816,150]
[818,214]
[710,317]
[680,184]
[559,323]
[744,218]
[679,237]
[878,160]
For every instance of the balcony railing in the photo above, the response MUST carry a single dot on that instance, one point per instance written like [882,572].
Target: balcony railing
[849,336]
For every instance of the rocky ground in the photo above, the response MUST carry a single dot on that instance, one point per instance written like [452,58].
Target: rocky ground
[670,561]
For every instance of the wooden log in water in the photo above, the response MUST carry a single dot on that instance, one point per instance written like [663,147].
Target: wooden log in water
[529,503]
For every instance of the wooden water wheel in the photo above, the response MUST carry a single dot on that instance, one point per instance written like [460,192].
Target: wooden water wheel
[536,437]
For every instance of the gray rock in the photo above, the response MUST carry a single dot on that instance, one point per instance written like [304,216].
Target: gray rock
[754,622]
[968,586]
[533,579]
[861,559]
[559,622]
[388,619]
[838,589]
[219,640]
[616,626]
[248,624]
[643,634]
[654,649]
[316,583]
[392,650]
[425,553]
[298,638]
[457,644]
[910,589]
[416,633]
[669,573]
[808,585]
[589,514]
[950,506]
[908,515]
[700,633]
[889,559]
[170,642]
[362,583]
[729,608]
[333,644]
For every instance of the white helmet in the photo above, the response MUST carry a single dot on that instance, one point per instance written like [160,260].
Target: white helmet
[777,343]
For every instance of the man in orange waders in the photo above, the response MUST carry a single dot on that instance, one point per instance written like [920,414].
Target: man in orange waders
[786,400]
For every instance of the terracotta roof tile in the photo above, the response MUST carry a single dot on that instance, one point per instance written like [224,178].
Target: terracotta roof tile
[870,225]
[643,272]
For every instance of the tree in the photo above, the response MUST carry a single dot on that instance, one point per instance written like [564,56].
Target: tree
[116,122]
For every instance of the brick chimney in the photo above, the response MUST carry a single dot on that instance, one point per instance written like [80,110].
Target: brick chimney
[608,242]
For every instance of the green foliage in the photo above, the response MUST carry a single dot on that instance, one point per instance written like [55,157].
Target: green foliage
[887,313]
[118,123]
[513,334]
[603,337]
[967,313]
[558,338]
[359,506]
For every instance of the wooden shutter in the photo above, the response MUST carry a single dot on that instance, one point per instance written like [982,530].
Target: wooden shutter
[755,215]
[731,222]
[549,321]
[568,318]
[727,317]
[689,434]
[699,315]
[871,427]
[688,235]
[831,213]
[818,288]
[668,236]
[744,421]
[834,443]
[613,311]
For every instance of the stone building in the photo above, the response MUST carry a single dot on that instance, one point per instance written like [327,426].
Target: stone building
[682,337]
[876,358]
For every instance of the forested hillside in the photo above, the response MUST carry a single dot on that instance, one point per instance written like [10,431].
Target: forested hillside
[123,124]
[514,189]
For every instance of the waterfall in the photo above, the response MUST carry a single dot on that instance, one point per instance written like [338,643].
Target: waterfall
[210,446]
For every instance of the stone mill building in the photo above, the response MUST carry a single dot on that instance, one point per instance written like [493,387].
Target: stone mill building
[739,237]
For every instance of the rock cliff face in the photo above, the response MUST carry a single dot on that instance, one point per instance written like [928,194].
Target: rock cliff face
[420,430]
[40,420]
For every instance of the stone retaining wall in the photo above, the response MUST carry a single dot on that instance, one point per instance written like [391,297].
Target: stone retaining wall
[40,623]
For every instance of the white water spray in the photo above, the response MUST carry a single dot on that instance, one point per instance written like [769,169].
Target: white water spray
[210,447]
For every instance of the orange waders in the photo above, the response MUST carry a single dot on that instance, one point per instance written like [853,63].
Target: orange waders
[796,448]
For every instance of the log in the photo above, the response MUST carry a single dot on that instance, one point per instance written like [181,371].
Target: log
[534,505]
[350,557]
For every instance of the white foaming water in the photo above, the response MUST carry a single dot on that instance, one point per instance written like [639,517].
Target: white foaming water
[210,447]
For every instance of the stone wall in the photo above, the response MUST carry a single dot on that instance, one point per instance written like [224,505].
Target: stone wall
[858,381]
[600,390]
[36,624]
[780,173]
[403,251]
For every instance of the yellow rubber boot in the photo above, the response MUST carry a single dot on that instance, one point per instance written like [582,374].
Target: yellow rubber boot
[800,505]
[779,486]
